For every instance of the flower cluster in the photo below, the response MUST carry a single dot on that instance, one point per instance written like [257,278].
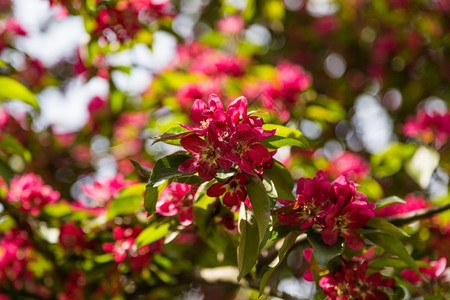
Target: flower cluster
[435,273]
[16,258]
[124,246]
[123,21]
[429,127]
[226,140]
[335,207]
[282,92]
[351,282]
[177,199]
[30,192]
[413,203]
[104,190]
[348,163]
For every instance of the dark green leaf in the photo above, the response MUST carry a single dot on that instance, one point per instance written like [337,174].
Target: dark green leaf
[323,253]
[5,172]
[204,210]
[392,245]
[167,167]
[248,247]
[288,242]
[146,172]
[152,233]
[260,204]
[284,184]
[11,89]
[9,144]
[389,200]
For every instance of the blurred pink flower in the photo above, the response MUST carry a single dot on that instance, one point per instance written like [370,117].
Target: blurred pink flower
[231,24]
[30,193]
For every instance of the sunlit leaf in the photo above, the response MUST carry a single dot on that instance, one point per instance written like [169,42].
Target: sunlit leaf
[152,233]
[248,247]
[11,89]
[389,200]
[385,226]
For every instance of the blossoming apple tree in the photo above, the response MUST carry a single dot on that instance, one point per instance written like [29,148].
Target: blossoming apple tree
[287,150]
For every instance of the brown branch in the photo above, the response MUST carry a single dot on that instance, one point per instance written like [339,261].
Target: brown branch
[418,215]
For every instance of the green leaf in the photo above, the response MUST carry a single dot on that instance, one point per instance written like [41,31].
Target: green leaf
[152,233]
[124,206]
[12,89]
[284,137]
[389,200]
[392,245]
[204,212]
[323,253]
[57,210]
[12,146]
[280,176]
[151,197]
[383,262]
[167,167]
[248,248]
[260,204]
[146,172]
[172,136]
[386,226]
[288,242]
[5,172]
[128,201]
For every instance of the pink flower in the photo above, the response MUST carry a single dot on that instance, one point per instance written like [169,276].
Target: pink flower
[308,275]
[350,282]
[231,24]
[204,159]
[413,203]
[234,189]
[435,273]
[30,192]
[202,114]
[230,138]
[429,127]
[350,210]
[124,247]
[313,196]
[72,237]
[176,199]
[104,190]
[348,163]
[337,208]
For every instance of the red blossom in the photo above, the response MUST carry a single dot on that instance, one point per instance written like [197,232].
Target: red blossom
[413,203]
[348,163]
[429,127]
[30,192]
[435,273]
[234,189]
[351,282]
[174,200]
